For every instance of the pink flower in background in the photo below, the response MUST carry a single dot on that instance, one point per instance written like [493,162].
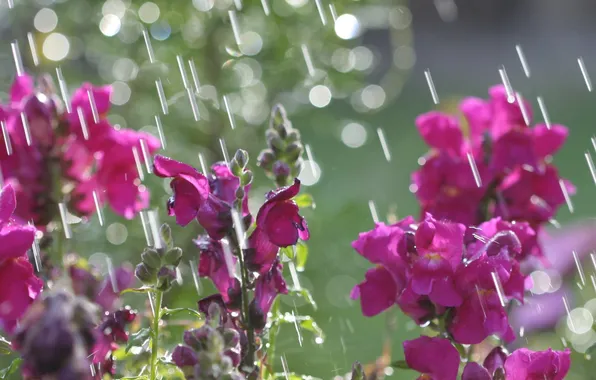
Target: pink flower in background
[278,225]
[214,264]
[19,286]
[267,287]
[444,364]
[525,364]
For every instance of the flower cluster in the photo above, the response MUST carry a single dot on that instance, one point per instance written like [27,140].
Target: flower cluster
[218,201]
[485,189]
[51,154]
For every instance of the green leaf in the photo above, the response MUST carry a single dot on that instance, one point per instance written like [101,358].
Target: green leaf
[144,289]
[138,339]
[5,348]
[400,364]
[304,200]
[305,294]
[310,325]
[287,252]
[165,311]
[301,256]
[461,349]
[12,368]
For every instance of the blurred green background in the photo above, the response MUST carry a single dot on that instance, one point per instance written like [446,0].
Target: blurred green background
[368,74]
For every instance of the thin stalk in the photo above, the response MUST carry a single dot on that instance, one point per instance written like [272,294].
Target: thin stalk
[249,359]
[155,333]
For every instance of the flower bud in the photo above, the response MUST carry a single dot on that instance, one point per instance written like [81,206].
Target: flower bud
[293,136]
[278,115]
[146,275]
[293,151]
[246,178]
[184,357]
[266,159]
[165,277]
[358,372]
[495,360]
[231,337]
[297,167]
[166,235]
[240,193]
[151,258]
[281,169]
[241,158]
[274,141]
[257,318]
[198,338]
[173,256]
[504,240]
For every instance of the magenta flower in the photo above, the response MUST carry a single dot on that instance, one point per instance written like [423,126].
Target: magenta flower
[97,131]
[110,333]
[224,185]
[528,238]
[278,225]
[495,360]
[441,132]
[445,358]
[267,287]
[19,286]
[214,264]
[474,371]
[525,364]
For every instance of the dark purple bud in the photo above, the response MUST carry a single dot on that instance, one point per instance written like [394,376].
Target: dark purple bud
[266,159]
[281,169]
[495,359]
[205,308]
[184,357]
[147,276]
[407,244]
[258,319]
[165,277]
[504,240]
[474,371]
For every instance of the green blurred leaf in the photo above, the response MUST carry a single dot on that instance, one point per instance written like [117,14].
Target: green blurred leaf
[144,289]
[294,376]
[138,339]
[5,348]
[12,368]
[304,200]
[400,364]
[310,325]
[288,252]
[301,256]
[305,294]
[165,311]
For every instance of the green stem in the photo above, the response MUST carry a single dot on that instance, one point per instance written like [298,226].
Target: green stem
[249,359]
[273,331]
[155,333]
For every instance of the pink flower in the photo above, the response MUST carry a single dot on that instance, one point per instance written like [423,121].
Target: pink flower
[445,360]
[214,264]
[111,332]
[224,185]
[441,132]
[528,238]
[19,287]
[474,371]
[495,360]
[97,131]
[267,287]
[278,225]
[525,364]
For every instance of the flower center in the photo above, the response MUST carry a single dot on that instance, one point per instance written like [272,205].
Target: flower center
[450,191]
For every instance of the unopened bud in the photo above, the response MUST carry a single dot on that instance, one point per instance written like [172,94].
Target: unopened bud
[278,115]
[274,141]
[173,256]
[165,277]
[166,235]
[246,178]
[293,136]
[266,159]
[145,275]
[294,151]
[240,193]
[231,337]
[358,372]
[281,169]
[151,258]
[241,157]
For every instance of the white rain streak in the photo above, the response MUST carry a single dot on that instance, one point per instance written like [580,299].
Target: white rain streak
[229,112]
[6,137]
[333,12]
[568,313]
[194,74]
[593,257]
[228,257]
[224,150]
[239,229]
[474,168]
[146,156]
[33,49]
[146,228]
[265,7]
[112,275]
[431,86]
[63,216]
[566,195]
[63,89]
[83,123]
[383,141]
[522,108]
[93,106]
[162,137]
[182,69]
[297,328]
[10,3]
[543,111]
[284,365]
[593,279]
[238,4]
[373,211]
[590,165]
[162,96]
[36,253]
[480,300]
[321,10]
[151,303]
[195,278]
[294,273]
[506,83]
[593,139]
[582,67]
[1,177]
[179,279]
[98,207]
[522,59]
[522,331]
[135,154]
[309,156]
[26,129]
[580,269]
[308,60]
[202,163]
[193,103]
[92,367]
[148,45]
[499,288]
[154,224]
[18,59]
[235,26]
